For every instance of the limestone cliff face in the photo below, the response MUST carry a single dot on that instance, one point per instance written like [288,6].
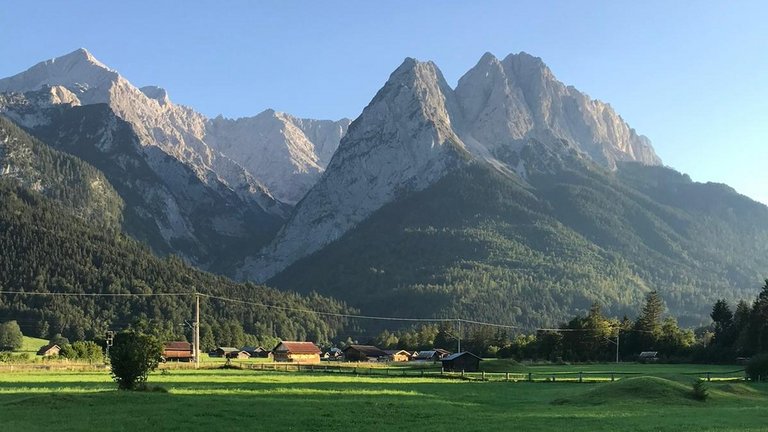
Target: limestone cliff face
[403,141]
[288,153]
[508,102]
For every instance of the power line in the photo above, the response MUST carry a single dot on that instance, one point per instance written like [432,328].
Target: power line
[66,294]
[302,310]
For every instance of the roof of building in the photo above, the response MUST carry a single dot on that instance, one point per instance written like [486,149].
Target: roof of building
[393,352]
[227,349]
[253,349]
[297,348]
[648,353]
[177,346]
[367,350]
[426,354]
[457,355]
[45,348]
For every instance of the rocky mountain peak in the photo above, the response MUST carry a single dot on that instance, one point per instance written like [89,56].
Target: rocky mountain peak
[78,71]
[507,103]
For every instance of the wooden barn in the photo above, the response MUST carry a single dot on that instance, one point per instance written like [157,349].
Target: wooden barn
[49,350]
[364,353]
[178,351]
[463,361]
[398,355]
[296,352]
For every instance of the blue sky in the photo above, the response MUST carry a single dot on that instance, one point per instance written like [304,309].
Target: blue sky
[692,76]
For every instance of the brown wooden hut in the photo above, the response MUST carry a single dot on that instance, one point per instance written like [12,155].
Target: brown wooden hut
[178,351]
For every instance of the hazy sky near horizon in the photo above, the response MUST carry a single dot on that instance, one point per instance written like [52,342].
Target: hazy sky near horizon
[692,76]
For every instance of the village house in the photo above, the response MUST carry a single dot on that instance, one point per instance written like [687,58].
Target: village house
[364,353]
[333,354]
[434,355]
[296,352]
[257,352]
[238,355]
[398,355]
[463,361]
[49,350]
[178,351]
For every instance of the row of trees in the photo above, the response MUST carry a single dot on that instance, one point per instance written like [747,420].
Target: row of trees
[734,333]
[742,332]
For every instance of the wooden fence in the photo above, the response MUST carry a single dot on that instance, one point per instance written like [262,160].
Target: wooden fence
[556,376]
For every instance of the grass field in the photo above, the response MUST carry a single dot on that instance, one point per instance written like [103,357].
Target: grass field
[216,399]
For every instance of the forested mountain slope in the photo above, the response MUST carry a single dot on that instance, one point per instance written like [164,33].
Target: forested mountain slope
[530,252]
[52,240]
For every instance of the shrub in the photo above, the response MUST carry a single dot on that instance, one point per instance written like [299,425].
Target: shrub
[699,391]
[757,368]
[133,356]
[83,350]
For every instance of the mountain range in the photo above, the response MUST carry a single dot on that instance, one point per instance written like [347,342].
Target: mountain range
[511,197]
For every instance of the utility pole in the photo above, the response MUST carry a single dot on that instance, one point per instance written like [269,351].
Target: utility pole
[458,338]
[196,336]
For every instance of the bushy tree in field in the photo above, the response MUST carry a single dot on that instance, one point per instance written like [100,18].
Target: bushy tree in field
[11,337]
[133,356]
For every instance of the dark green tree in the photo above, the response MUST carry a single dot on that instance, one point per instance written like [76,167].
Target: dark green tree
[133,356]
[11,337]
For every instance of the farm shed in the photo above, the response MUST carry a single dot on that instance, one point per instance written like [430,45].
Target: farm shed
[49,350]
[364,353]
[297,352]
[398,355]
[178,350]
[463,361]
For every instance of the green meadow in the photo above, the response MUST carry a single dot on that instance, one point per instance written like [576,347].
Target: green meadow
[210,399]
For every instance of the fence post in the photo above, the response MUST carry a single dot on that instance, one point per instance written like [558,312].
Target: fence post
[553,377]
[530,377]
[462,373]
[482,375]
[506,377]
[709,378]
[422,372]
[612,377]
[581,377]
